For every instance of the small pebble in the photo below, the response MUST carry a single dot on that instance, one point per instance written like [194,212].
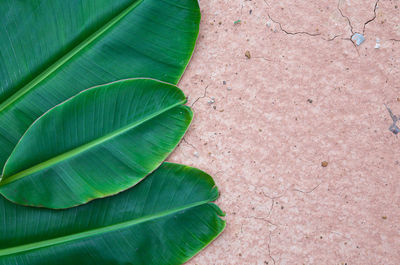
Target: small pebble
[196,154]
[358,38]
[377,44]
[324,163]
[247,54]
[211,101]
[384,217]
[309,100]
[224,82]
[229,88]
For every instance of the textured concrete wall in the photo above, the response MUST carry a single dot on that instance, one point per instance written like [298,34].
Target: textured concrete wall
[275,96]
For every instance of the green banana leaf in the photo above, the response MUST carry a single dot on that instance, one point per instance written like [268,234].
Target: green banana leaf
[98,143]
[165,219]
[52,49]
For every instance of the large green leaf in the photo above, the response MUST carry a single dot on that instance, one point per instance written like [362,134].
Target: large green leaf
[165,219]
[98,143]
[52,49]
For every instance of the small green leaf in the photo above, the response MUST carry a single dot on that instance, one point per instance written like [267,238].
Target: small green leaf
[165,219]
[98,143]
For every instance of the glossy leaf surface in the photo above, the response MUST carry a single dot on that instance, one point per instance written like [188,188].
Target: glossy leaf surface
[98,143]
[165,219]
[52,49]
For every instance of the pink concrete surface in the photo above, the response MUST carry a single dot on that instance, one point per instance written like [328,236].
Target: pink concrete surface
[306,95]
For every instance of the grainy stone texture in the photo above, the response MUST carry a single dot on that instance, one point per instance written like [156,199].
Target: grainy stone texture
[266,124]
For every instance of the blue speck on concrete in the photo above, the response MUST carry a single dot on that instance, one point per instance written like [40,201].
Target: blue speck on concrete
[358,38]
[393,128]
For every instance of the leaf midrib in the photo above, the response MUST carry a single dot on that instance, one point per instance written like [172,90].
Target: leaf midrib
[52,68]
[80,149]
[96,231]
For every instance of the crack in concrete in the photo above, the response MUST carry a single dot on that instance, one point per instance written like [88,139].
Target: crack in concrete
[266,219]
[346,17]
[331,39]
[265,59]
[269,235]
[372,19]
[336,36]
[298,32]
[350,25]
[184,140]
[269,248]
[292,33]
[204,96]
[260,218]
[302,191]
[272,201]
